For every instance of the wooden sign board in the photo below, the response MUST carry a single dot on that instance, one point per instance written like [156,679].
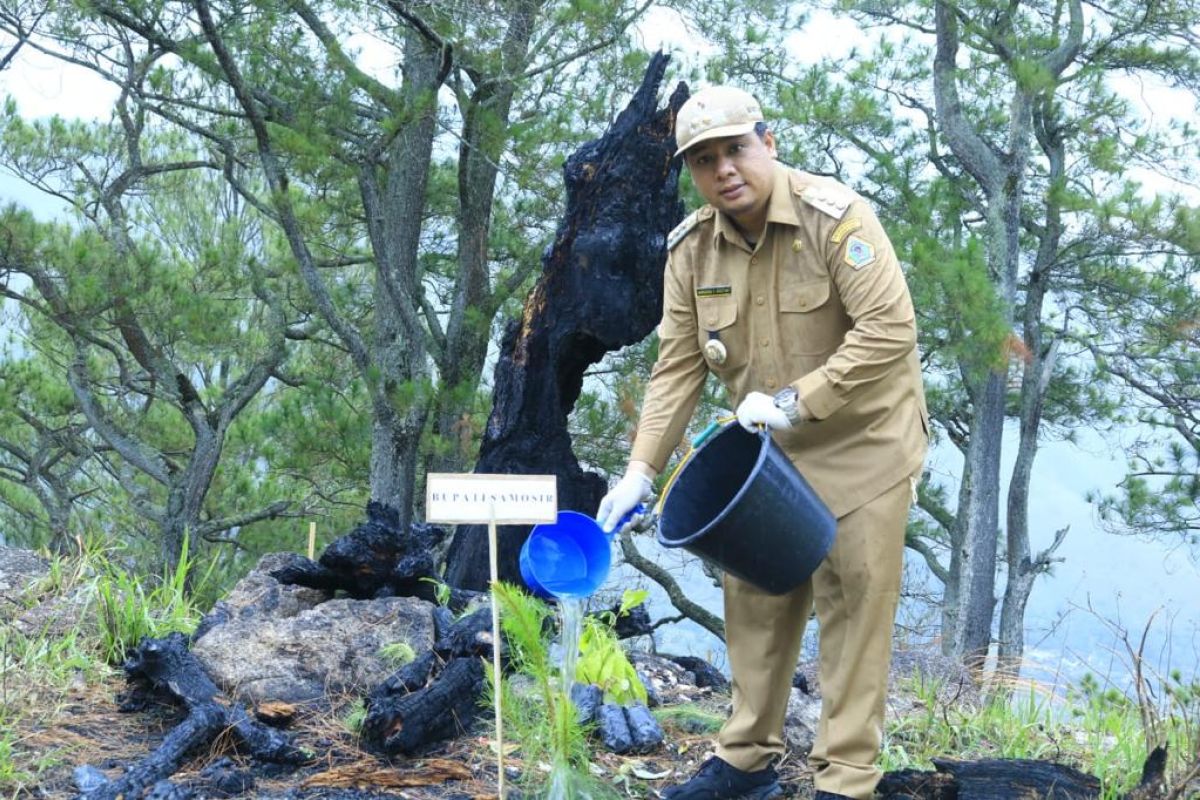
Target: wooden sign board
[504,499]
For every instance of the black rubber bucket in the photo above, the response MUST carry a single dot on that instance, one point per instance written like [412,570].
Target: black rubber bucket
[741,504]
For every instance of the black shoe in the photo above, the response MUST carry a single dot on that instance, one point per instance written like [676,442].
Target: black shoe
[830,796]
[720,780]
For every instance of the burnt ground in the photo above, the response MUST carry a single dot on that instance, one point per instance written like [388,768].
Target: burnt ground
[87,727]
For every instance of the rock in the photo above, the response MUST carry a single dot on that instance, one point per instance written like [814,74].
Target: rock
[259,594]
[800,722]
[165,790]
[224,779]
[59,615]
[267,641]
[20,571]
[88,779]
[706,675]
[652,698]
[665,680]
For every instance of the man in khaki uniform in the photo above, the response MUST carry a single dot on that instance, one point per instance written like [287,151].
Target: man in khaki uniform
[786,287]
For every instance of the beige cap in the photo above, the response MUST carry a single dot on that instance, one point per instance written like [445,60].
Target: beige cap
[713,112]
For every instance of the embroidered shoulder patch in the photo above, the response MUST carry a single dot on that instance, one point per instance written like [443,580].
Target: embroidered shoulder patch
[844,229]
[859,252]
[682,229]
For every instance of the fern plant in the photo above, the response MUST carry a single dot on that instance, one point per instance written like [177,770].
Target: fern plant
[602,660]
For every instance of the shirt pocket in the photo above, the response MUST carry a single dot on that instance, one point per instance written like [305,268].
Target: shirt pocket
[719,316]
[808,321]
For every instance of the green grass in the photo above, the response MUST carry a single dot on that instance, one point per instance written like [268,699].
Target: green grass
[689,719]
[38,670]
[132,608]
[1099,731]
[35,675]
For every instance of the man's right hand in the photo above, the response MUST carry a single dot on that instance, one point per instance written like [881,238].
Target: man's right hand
[635,487]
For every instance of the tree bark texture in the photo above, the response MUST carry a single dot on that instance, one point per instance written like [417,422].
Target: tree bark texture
[475,301]
[1002,169]
[600,290]
[394,200]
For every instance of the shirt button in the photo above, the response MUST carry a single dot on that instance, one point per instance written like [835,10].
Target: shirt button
[764,341]
[770,383]
[712,320]
[759,300]
[753,260]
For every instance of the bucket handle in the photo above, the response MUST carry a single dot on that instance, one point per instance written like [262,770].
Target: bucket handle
[699,439]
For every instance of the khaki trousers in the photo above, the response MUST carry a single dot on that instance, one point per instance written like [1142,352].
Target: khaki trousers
[854,592]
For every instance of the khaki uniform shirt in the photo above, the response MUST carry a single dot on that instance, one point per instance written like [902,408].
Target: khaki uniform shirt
[819,303]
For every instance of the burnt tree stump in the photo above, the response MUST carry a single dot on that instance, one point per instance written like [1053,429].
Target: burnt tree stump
[600,290]
[378,559]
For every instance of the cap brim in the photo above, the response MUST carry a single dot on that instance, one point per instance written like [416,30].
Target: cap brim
[718,133]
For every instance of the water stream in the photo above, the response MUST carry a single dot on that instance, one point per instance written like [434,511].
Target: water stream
[562,778]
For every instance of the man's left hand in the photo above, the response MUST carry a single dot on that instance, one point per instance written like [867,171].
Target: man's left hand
[759,409]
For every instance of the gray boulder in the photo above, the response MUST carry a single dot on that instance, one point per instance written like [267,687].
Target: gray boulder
[800,723]
[908,667]
[20,572]
[953,681]
[58,616]
[269,641]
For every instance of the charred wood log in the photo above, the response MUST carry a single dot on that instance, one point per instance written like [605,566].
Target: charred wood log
[989,779]
[412,677]
[164,666]
[423,702]
[705,673]
[634,622]
[469,636]
[600,290]
[406,723]
[303,572]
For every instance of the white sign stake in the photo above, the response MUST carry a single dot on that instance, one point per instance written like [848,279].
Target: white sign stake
[492,559]
[512,499]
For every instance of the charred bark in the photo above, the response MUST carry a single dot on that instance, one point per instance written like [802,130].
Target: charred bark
[406,723]
[991,779]
[379,558]
[164,666]
[1003,779]
[600,290]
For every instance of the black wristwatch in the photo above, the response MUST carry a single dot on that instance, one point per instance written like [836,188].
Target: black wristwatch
[786,400]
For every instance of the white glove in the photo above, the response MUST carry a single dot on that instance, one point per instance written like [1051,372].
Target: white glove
[632,489]
[760,409]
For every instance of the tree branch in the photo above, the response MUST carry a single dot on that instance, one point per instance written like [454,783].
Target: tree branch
[213,527]
[678,597]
